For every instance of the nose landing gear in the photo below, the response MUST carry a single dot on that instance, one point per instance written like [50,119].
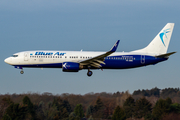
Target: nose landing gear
[89,73]
[21,71]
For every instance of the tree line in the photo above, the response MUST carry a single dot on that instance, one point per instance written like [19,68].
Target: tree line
[154,104]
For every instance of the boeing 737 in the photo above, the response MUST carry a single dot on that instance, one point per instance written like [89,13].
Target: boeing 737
[73,61]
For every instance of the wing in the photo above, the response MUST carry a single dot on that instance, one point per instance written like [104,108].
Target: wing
[96,61]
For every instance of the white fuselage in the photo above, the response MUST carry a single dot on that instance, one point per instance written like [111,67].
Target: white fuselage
[53,59]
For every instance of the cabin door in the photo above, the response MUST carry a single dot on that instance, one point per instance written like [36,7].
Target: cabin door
[25,56]
[142,59]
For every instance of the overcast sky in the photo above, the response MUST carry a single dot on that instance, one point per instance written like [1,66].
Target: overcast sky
[91,25]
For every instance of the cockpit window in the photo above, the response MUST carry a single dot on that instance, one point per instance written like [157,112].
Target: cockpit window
[14,55]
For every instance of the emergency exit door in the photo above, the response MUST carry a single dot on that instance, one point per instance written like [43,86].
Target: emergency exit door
[142,59]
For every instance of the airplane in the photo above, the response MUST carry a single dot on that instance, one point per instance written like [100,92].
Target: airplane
[73,61]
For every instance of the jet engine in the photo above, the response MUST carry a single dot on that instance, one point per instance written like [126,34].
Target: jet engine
[71,67]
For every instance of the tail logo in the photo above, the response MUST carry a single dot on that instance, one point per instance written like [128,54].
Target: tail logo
[164,34]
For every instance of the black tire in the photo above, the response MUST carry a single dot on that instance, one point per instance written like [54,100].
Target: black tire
[21,72]
[89,73]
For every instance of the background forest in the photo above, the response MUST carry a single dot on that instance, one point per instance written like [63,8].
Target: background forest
[154,104]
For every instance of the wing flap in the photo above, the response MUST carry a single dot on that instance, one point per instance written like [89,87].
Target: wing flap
[101,62]
[95,65]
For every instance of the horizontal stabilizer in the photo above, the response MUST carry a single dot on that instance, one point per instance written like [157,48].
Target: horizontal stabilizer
[165,55]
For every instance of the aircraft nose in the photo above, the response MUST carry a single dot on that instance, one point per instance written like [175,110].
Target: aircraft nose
[7,60]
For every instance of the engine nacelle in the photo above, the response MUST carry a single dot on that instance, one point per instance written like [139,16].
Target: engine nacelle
[71,67]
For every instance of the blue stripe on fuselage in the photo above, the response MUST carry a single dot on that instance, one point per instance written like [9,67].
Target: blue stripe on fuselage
[129,61]
[52,65]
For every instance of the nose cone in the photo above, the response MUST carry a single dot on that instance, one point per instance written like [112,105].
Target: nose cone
[8,61]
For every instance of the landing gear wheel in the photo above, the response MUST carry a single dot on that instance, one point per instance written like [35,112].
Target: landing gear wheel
[22,72]
[89,73]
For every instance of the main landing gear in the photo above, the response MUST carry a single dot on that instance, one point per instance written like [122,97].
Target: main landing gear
[89,73]
[21,71]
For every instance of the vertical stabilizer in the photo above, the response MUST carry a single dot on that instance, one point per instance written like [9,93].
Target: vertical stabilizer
[160,43]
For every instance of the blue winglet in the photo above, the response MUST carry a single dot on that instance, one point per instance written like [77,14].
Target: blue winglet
[113,49]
